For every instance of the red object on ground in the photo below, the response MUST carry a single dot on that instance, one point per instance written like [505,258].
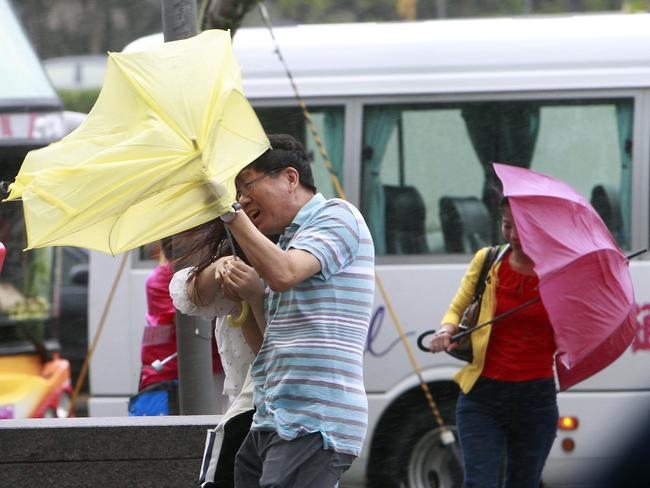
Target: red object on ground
[3,251]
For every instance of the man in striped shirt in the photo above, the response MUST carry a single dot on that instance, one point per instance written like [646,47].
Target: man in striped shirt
[311,408]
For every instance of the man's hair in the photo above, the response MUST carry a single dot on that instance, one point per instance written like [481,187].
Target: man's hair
[285,152]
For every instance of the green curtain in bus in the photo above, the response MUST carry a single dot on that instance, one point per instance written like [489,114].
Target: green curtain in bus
[624,117]
[379,124]
[502,132]
[334,136]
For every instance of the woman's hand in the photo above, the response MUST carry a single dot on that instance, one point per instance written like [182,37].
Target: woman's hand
[219,268]
[243,281]
[442,339]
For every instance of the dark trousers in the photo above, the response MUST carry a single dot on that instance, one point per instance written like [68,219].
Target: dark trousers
[267,461]
[512,420]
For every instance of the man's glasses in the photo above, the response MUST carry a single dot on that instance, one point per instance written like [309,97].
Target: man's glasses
[246,188]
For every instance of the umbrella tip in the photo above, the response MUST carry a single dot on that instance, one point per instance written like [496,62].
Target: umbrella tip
[637,253]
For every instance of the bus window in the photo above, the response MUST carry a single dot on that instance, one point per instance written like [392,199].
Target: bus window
[589,145]
[427,186]
[330,126]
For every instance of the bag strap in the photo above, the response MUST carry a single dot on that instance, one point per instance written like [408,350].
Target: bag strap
[490,258]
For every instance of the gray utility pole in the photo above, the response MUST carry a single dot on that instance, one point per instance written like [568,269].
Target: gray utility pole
[193,334]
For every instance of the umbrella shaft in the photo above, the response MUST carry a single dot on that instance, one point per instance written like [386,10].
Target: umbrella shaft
[460,335]
[231,241]
[498,317]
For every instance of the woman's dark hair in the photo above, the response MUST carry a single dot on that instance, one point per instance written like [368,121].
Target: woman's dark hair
[202,245]
[285,152]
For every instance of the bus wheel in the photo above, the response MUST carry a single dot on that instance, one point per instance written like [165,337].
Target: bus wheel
[407,449]
[434,463]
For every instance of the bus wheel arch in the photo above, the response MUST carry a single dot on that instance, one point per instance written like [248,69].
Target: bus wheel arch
[406,448]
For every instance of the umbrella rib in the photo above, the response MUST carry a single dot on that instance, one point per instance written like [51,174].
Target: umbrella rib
[57,202]
[150,103]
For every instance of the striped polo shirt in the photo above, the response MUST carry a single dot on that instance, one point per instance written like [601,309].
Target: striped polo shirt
[308,376]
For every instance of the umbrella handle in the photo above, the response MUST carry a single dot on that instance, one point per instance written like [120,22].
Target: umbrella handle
[421,337]
[245,309]
[454,338]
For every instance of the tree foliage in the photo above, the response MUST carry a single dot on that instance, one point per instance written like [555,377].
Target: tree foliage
[78,100]
[68,27]
[224,14]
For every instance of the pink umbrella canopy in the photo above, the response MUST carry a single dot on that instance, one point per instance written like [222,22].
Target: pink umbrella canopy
[584,278]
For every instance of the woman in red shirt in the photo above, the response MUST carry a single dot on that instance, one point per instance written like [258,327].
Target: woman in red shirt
[507,407]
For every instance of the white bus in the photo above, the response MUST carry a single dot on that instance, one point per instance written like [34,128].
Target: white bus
[411,114]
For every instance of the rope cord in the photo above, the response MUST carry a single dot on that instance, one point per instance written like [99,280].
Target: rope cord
[305,112]
[339,190]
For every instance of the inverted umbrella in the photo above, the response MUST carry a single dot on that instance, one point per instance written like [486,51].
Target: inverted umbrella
[157,154]
[584,280]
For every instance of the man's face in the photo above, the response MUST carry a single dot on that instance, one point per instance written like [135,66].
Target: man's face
[263,197]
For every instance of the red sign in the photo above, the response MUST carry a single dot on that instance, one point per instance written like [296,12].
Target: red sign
[48,126]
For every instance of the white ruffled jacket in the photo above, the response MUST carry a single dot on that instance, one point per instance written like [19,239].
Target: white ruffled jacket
[236,355]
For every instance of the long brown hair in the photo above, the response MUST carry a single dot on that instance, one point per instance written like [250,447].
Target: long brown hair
[202,245]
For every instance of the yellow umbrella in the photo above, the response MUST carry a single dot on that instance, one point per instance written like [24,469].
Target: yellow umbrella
[157,155]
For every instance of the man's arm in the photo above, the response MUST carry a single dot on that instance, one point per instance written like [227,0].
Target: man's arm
[252,333]
[282,270]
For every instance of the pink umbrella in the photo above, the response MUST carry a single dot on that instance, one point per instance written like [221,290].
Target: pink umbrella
[584,279]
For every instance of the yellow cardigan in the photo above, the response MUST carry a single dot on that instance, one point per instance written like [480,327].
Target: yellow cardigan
[467,376]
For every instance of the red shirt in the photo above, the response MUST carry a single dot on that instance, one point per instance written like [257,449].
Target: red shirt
[521,346]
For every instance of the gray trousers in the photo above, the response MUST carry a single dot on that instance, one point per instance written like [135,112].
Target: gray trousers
[265,460]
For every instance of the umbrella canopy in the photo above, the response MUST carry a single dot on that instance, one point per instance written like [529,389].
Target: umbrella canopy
[157,155]
[584,281]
